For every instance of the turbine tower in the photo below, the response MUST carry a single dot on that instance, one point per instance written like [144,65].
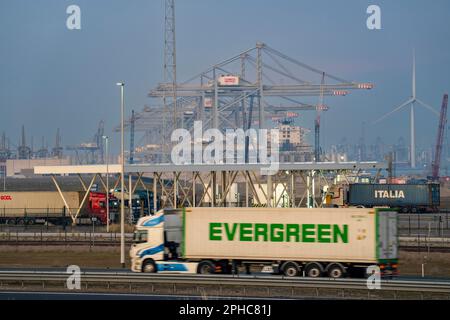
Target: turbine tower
[411,102]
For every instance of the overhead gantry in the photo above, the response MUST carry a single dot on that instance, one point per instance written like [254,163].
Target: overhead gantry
[220,185]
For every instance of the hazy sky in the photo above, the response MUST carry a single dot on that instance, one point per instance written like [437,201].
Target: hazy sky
[51,77]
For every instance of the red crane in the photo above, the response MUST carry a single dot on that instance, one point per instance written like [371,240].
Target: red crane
[440,139]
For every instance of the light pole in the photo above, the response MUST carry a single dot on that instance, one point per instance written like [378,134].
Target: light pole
[122,176]
[106,138]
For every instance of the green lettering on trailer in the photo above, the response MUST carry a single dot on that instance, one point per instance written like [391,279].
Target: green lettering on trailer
[215,232]
[278,236]
[308,233]
[324,233]
[230,233]
[308,230]
[261,230]
[340,233]
[245,231]
[293,230]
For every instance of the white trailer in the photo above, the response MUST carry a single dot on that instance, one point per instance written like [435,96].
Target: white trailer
[314,242]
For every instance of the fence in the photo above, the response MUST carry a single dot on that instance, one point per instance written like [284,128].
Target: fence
[428,225]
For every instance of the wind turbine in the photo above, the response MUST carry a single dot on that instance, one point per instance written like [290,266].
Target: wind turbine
[411,102]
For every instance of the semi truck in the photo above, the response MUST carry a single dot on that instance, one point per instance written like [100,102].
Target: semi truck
[40,207]
[332,242]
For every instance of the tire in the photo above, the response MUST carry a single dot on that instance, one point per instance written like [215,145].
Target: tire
[21,222]
[225,266]
[414,210]
[314,270]
[336,270]
[149,266]
[206,267]
[31,222]
[290,269]
[404,210]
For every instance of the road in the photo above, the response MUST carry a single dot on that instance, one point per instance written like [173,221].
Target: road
[14,295]
[40,284]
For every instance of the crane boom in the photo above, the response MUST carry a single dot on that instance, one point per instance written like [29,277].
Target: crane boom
[440,138]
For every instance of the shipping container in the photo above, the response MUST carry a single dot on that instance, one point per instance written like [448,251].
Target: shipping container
[38,200]
[30,207]
[315,241]
[408,197]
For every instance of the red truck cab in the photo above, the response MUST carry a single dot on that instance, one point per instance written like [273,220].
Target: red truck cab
[97,206]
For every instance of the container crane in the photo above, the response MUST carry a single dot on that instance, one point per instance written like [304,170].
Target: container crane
[440,139]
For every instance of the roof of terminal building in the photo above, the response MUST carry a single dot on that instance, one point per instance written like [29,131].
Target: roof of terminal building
[42,184]
[158,168]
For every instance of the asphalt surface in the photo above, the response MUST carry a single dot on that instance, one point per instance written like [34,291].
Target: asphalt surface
[12,295]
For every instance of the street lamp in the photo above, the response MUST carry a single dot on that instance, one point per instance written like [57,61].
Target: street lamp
[122,176]
[106,138]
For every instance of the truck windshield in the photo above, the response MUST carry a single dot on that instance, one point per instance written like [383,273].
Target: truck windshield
[140,236]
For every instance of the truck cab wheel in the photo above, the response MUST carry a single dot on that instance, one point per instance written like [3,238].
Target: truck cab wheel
[290,269]
[335,271]
[149,267]
[314,270]
[206,267]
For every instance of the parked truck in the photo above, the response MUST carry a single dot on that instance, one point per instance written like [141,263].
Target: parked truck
[311,242]
[40,207]
[142,203]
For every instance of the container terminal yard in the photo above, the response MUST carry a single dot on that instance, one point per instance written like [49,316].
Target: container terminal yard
[233,181]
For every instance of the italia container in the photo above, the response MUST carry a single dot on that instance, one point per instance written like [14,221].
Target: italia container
[327,235]
[412,197]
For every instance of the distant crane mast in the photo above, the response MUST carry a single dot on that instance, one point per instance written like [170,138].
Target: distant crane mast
[170,67]
[440,139]
[132,125]
[317,122]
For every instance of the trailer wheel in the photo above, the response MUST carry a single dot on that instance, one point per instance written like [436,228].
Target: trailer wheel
[149,266]
[225,267]
[335,270]
[314,270]
[31,222]
[21,222]
[206,267]
[290,269]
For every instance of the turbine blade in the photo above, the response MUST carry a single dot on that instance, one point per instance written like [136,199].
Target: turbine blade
[428,107]
[393,111]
